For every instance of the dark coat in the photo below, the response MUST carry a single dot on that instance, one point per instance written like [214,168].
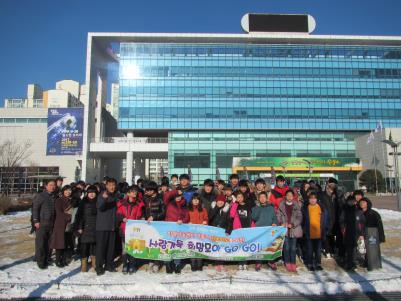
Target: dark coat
[250,197]
[329,203]
[63,218]
[154,207]
[352,223]
[86,220]
[106,219]
[324,221]
[220,217]
[207,198]
[373,220]
[43,211]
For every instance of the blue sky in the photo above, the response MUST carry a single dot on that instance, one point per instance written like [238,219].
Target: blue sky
[45,40]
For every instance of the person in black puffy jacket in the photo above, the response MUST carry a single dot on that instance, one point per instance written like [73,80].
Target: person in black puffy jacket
[86,227]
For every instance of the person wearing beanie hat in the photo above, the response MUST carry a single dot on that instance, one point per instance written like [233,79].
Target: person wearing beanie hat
[85,224]
[219,216]
[228,192]
[278,192]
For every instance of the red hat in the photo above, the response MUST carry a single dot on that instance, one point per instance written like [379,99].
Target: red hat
[221,197]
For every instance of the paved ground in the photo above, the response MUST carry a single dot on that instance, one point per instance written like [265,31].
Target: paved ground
[383,202]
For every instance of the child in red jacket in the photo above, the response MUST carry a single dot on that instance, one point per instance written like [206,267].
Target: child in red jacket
[131,207]
[197,215]
[176,211]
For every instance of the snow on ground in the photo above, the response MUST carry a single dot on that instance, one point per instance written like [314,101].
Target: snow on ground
[20,277]
[389,214]
[14,220]
[26,280]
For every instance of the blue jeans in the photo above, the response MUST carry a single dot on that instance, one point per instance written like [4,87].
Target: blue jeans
[314,250]
[290,250]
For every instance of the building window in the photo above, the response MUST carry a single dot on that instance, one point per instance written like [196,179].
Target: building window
[201,160]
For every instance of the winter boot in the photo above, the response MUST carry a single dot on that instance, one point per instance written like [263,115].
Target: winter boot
[93,262]
[84,265]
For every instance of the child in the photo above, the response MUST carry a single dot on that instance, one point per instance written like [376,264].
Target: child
[264,215]
[176,211]
[197,215]
[86,227]
[154,211]
[278,192]
[219,216]
[241,213]
[352,223]
[315,226]
[289,215]
[260,186]
[131,207]
[244,188]
[373,220]
[220,184]
[228,192]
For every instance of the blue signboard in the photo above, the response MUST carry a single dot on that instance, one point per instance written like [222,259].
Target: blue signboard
[65,131]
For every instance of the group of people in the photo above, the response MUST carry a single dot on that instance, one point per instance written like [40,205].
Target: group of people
[90,220]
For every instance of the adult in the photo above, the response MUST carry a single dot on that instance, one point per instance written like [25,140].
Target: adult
[43,214]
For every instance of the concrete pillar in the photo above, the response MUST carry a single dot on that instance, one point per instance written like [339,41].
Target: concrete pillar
[147,168]
[130,161]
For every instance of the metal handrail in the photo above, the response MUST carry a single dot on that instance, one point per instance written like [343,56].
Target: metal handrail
[130,140]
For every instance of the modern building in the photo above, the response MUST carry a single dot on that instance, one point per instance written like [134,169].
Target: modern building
[24,127]
[205,101]
[115,94]
[66,94]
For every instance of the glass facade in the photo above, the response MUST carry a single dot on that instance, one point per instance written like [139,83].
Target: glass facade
[220,101]
[205,151]
[248,86]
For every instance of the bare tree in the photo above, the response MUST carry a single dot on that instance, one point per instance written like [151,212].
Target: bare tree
[12,155]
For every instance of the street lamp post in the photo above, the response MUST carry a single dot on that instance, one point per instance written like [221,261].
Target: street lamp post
[389,171]
[284,170]
[310,167]
[395,153]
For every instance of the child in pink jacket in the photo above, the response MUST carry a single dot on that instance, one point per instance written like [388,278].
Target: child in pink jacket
[241,214]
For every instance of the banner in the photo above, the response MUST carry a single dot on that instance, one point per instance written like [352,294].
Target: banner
[64,131]
[295,162]
[167,240]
